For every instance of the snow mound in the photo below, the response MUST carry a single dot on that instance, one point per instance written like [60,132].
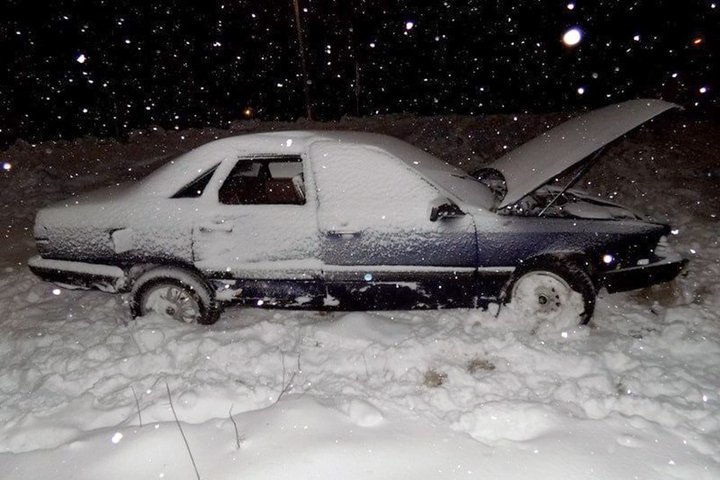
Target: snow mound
[515,421]
[633,395]
[362,413]
[369,328]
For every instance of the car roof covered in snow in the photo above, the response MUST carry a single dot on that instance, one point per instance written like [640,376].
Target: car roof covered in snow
[183,169]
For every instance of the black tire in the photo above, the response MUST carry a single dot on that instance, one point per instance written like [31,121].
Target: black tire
[187,296]
[576,277]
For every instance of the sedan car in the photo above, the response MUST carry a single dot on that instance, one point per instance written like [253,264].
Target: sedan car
[349,220]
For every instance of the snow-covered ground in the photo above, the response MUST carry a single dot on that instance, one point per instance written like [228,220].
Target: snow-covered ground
[435,394]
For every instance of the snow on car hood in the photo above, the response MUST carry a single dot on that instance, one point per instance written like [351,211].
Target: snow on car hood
[536,162]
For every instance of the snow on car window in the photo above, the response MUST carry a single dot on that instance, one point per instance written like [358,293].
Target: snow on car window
[448,178]
[363,186]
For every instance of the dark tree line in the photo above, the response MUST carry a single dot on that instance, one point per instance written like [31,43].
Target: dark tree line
[179,64]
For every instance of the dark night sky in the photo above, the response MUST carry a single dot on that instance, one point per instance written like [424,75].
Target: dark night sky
[97,67]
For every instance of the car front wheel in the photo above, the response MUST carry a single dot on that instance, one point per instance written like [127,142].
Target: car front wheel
[554,293]
[175,294]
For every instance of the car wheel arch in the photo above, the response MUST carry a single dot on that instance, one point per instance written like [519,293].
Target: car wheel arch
[138,269]
[575,257]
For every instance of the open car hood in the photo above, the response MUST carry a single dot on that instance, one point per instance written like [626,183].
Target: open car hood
[543,158]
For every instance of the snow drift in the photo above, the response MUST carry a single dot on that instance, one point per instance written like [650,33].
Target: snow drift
[444,394]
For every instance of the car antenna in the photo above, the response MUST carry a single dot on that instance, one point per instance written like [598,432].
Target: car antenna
[573,181]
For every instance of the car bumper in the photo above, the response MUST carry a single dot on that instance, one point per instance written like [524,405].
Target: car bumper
[79,274]
[641,276]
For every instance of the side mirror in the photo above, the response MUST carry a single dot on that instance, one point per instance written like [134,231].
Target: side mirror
[444,208]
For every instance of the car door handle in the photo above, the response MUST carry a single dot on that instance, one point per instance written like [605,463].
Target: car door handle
[217,227]
[344,233]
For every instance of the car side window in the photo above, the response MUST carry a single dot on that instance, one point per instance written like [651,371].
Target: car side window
[365,187]
[196,188]
[266,180]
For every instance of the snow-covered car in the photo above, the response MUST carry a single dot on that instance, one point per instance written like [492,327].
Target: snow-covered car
[349,220]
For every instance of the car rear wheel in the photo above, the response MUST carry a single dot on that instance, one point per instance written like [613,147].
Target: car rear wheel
[553,293]
[175,294]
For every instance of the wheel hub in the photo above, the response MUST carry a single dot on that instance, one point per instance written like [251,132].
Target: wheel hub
[548,299]
[542,294]
[174,302]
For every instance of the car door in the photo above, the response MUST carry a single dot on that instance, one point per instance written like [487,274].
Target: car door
[257,229]
[377,241]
